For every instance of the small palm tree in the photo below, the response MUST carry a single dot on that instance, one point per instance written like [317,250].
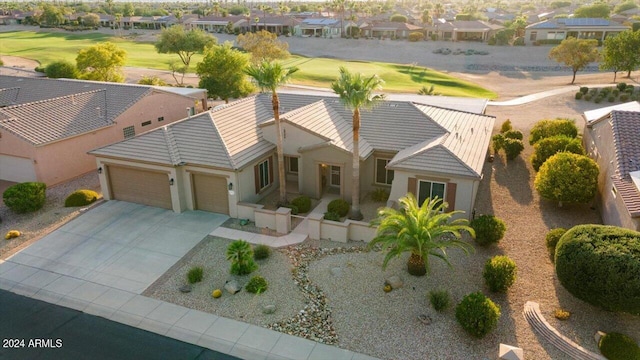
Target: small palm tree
[240,254]
[270,76]
[356,92]
[423,230]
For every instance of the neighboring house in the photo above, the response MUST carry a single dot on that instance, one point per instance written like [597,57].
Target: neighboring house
[612,139]
[389,30]
[223,159]
[274,24]
[48,125]
[556,30]
[472,30]
[317,27]
[218,24]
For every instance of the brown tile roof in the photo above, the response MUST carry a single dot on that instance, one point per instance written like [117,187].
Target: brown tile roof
[625,126]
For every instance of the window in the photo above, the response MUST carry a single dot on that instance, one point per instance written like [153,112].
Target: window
[146,123]
[129,132]
[292,165]
[263,175]
[430,189]
[614,192]
[383,176]
[533,36]
[161,118]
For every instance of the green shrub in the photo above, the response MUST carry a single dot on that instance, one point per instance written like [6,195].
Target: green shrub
[621,86]
[256,285]
[584,89]
[61,69]
[380,194]
[611,98]
[598,99]
[333,216]
[497,142]
[81,198]
[547,128]
[303,203]
[489,229]
[513,134]
[339,206]
[195,274]
[615,92]
[506,126]
[439,299]
[261,252]
[616,346]
[416,36]
[629,88]
[499,273]
[551,240]
[547,147]
[593,92]
[294,209]
[601,265]
[477,314]
[25,197]
[624,97]
[240,254]
[578,95]
[588,97]
[512,148]
[567,177]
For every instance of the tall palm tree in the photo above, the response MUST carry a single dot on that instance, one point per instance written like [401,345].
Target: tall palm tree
[423,230]
[356,92]
[270,76]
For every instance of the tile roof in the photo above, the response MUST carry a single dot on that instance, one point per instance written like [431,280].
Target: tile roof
[625,126]
[45,121]
[592,116]
[629,194]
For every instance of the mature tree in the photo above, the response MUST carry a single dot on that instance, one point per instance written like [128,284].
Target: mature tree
[222,73]
[51,15]
[270,76]
[61,69]
[422,230]
[102,62]
[426,17]
[356,92]
[627,5]
[91,20]
[128,9]
[620,53]
[185,43]
[398,18]
[263,45]
[575,53]
[339,5]
[567,177]
[547,147]
[597,10]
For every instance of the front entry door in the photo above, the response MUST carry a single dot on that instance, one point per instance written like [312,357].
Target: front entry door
[334,179]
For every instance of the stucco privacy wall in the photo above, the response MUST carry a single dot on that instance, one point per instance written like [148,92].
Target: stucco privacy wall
[16,152]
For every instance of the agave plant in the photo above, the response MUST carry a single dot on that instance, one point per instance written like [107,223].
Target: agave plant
[240,254]
[422,230]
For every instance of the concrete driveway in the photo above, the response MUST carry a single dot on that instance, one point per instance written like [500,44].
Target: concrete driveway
[118,244]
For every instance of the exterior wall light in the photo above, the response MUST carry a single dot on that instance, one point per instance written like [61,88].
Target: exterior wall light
[171,182]
[100,170]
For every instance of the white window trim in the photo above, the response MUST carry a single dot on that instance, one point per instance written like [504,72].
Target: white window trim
[375,171]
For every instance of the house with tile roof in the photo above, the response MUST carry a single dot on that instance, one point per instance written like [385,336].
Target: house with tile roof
[612,139]
[389,30]
[466,30]
[556,30]
[48,125]
[224,159]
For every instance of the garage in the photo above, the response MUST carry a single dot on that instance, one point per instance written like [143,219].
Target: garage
[140,186]
[16,169]
[210,193]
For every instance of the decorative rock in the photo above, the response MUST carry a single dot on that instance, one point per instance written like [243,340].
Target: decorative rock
[424,319]
[232,286]
[508,352]
[216,293]
[598,336]
[395,281]
[185,288]
[336,271]
[268,309]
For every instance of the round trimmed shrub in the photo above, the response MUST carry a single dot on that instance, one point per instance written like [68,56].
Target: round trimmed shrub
[616,346]
[81,198]
[567,177]
[601,265]
[513,134]
[624,97]
[61,69]
[256,285]
[621,86]
[547,128]
[294,209]
[512,148]
[598,99]
[547,147]
[303,203]
[261,252]
[588,97]
[338,206]
[551,240]
[611,98]
[578,95]
[584,89]
[499,273]
[416,36]
[489,229]
[333,216]
[25,197]
[506,126]
[477,314]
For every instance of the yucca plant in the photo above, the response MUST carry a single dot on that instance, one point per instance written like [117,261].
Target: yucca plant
[240,254]
[422,230]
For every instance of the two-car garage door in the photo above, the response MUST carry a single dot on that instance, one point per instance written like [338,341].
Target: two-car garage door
[140,186]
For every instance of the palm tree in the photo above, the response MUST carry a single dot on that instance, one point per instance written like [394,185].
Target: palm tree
[423,230]
[270,76]
[356,92]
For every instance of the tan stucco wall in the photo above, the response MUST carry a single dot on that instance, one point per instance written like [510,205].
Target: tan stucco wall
[11,145]
[246,180]
[330,156]
[66,159]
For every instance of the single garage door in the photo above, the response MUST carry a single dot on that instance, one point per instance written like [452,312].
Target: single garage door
[140,186]
[210,193]
[16,169]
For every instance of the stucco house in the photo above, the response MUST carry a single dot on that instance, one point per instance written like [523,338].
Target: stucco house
[320,27]
[466,30]
[389,30]
[224,159]
[612,139]
[218,23]
[556,30]
[48,125]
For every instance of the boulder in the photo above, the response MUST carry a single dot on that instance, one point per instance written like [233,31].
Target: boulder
[395,281]
[268,309]
[185,288]
[232,286]
[336,271]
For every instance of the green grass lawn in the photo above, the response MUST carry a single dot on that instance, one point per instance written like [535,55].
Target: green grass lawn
[48,47]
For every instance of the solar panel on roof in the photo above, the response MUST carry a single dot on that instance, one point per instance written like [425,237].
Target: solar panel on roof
[586,22]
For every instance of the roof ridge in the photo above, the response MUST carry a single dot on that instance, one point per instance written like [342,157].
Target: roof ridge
[53,99]
[460,160]
[415,103]
[174,152]
[425,142]
[224,106]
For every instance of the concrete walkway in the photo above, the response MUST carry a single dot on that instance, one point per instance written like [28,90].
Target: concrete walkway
[101,261]
[541,95]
